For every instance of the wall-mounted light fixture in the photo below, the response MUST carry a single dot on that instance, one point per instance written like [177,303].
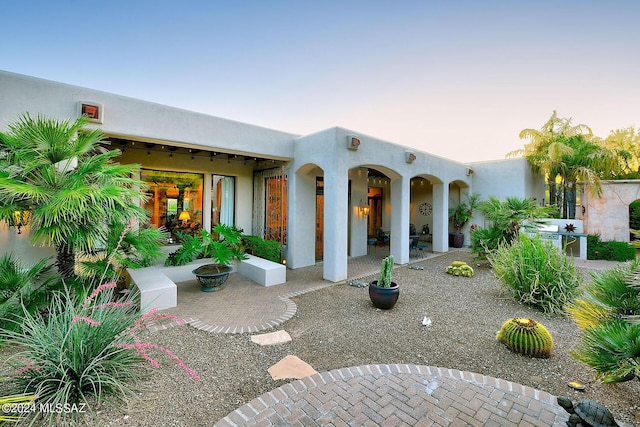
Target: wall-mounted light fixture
[353,142]
[410,156]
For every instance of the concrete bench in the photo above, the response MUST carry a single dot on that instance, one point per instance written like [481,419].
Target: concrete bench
[263,271]
[157,284]
[158,289]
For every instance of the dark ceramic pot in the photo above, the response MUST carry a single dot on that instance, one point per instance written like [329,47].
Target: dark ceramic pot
[384,298]
[212,276]
[456,240]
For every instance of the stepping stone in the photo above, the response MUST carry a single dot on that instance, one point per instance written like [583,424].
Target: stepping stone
[271,338]
[291,367]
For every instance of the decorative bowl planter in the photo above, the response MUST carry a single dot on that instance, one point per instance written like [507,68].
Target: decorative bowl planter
[384,298]
[212,276]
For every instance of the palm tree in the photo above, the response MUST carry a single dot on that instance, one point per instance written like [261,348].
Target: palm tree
[542,151]
[579,159]
[61,174]
[626,143]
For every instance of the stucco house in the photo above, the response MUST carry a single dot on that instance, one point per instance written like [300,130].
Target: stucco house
[322,195]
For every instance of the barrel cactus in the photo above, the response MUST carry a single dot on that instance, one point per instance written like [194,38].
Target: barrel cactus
[526,336]
[460,268]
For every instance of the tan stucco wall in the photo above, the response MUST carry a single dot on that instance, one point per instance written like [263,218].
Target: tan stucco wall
[608,215]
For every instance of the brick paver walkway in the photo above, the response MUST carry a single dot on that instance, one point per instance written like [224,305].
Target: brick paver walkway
[399,395]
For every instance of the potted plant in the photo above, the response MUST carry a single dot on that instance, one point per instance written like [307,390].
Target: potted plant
[383,292]
[460,216]
[222,250]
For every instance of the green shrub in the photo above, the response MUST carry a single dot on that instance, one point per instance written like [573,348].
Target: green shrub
[634,215]
[223,248]
[609,250]
[267,249]
[536,274]
[23,288]
[82,349]
[609,315]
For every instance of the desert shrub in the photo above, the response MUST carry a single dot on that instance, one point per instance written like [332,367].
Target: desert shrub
[609,250]
[23,288]
[267,249]
[82,350]
[608,313]
[536,274]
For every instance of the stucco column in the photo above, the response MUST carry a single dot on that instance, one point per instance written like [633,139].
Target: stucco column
[400,199]
[336,186]
[301,220]
[440,218]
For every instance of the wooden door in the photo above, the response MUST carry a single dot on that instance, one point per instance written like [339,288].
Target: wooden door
[319,219]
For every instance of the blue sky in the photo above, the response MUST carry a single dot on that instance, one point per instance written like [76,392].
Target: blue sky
[459,79]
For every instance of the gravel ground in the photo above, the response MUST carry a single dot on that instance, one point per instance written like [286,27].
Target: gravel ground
[338,327]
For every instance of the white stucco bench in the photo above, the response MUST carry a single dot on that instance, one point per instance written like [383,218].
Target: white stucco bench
[263,271]
[157,284]
[158,289]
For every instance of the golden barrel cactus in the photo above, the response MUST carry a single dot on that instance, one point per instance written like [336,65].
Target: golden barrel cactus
[526,336]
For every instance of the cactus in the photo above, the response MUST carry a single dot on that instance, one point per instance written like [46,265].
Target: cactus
[386,269]
[460,268]
[526,336]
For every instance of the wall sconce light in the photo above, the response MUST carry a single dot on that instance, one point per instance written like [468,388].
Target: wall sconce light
[353,142]
[364,210]
[19,219]
[410,156]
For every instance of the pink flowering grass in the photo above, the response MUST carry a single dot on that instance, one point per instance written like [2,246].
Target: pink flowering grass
[81,351]
[87,349]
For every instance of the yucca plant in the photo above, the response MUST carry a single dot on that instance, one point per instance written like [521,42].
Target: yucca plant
[608,313]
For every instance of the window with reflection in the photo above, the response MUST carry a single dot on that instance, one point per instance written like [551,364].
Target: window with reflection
[174,200]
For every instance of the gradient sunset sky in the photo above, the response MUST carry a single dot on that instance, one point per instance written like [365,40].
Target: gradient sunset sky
[458,79]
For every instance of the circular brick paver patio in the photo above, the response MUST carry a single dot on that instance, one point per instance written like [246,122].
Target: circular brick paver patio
[395,395]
